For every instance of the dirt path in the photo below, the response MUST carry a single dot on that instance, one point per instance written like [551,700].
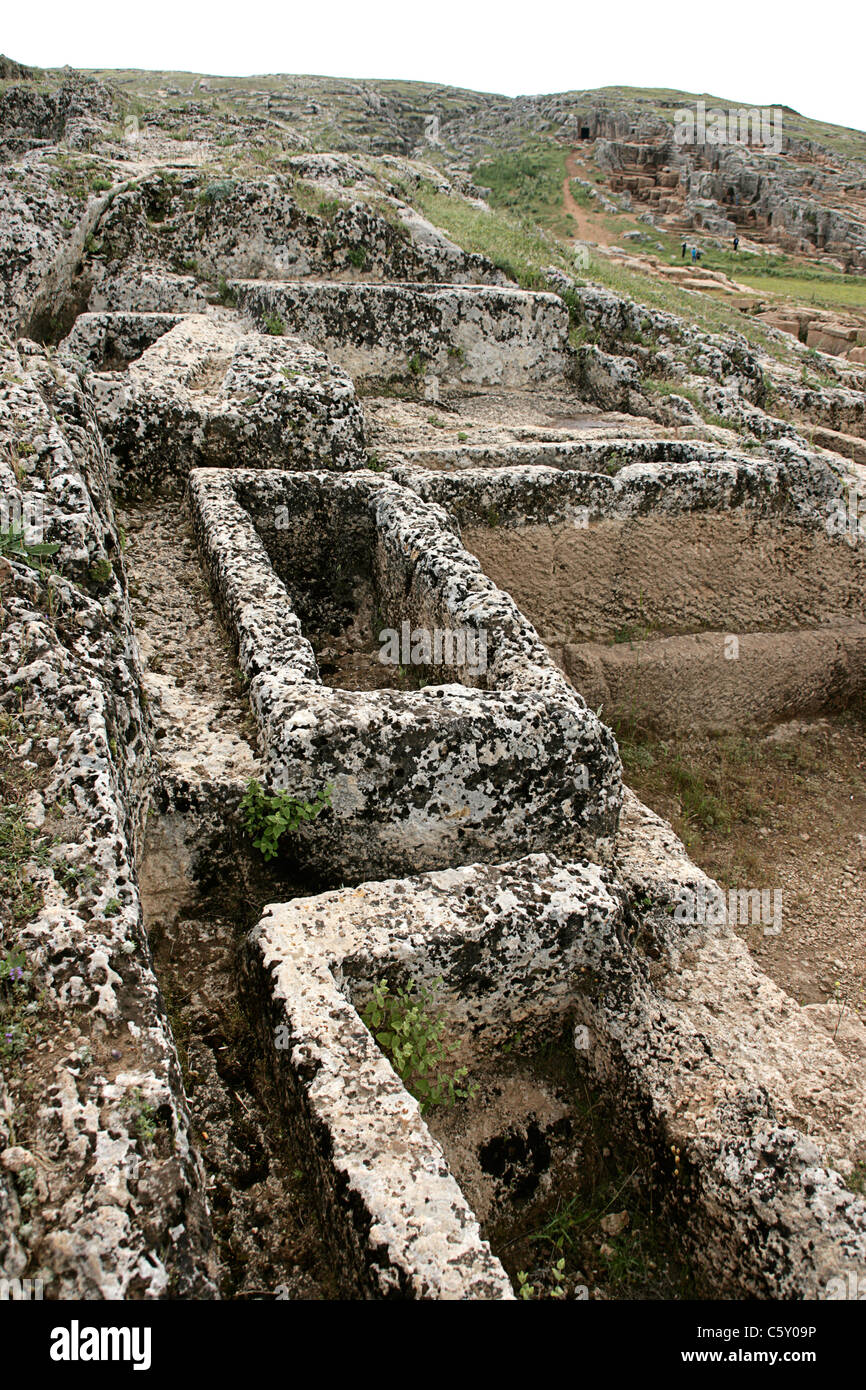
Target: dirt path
[590,226]
[494,419]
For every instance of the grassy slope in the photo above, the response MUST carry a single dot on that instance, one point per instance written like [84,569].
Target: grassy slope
[522,250]
[841,139]
[529,223]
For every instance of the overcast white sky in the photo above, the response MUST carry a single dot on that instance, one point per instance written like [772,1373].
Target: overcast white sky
[811,58]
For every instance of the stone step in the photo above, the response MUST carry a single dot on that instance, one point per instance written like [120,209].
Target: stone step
[478,335]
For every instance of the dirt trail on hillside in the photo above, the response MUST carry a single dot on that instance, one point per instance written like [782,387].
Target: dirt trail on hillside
[590,227]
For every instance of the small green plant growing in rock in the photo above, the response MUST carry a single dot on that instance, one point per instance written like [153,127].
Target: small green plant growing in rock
[416,364]
[525,1290]
[274,325]
[218,191]
[530,1292]
[409,1030]
[144,1120]
[857,1180]
[100,572]
[558,1273]
[357,257]
[269,816]
[14,989]
[13,545]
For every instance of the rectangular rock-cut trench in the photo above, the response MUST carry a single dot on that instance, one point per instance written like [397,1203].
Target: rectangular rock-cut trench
[715,1078]
[509,760]
[703,595]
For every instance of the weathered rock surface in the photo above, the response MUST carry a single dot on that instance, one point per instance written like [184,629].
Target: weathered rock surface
[475,335]
[684,487]
[207,393]
[541,770]
[121,1210]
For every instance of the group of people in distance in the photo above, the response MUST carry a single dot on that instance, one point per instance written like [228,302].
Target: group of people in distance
[697,253]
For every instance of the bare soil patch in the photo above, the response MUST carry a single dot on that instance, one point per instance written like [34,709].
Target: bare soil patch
[201,716]
[786,810]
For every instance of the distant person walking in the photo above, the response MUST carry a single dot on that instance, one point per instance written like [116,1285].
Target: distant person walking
[694,254]
[685,249]
[736,243]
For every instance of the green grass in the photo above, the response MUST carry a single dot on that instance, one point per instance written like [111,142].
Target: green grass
[848,292]
[774,275]
[720,786]
[528,184]
[713,315]
[512,243]
[522,250]
[583,197]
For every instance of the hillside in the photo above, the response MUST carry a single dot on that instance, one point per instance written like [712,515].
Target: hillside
[432,813]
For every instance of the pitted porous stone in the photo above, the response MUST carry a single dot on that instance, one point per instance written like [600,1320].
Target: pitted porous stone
[105,342]
[509,761]
[612,381]
[121,1211]
[209,393]
[399,1222]
[470,335]
[265,228]
[707,1054]
[147,289]
[800,487]
[586,455]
